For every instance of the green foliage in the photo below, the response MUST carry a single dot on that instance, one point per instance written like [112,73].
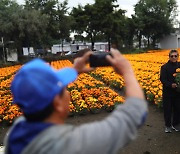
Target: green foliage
[133,51]
[177,78]
[160,105]
[58,21]
[64,21]
[150,97]
[101,20]
[31,26]
[38,23]
[84,21]
[41,23]
[154,19]
[129,31]
[7,10]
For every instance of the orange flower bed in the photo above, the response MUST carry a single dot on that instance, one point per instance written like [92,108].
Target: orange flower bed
[87,94]
[147,69]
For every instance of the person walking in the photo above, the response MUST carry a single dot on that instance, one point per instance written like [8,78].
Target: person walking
[42,95]
[171,97]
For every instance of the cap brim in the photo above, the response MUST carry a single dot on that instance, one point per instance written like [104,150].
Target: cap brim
[67,75]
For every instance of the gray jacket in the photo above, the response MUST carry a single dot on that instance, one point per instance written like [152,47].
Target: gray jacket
[103,137]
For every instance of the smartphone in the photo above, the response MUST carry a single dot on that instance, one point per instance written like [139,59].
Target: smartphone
[99,60]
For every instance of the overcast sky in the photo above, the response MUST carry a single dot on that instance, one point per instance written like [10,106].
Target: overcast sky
[127,5]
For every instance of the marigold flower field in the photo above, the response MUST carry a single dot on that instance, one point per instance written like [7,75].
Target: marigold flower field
[93,92]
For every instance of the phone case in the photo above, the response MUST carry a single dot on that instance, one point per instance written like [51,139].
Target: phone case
[98,60]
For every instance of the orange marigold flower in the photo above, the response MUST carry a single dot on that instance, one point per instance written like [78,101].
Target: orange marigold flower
[178,70]
[174,74]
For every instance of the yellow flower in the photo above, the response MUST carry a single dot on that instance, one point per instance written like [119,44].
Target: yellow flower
[174,74]
[178,70]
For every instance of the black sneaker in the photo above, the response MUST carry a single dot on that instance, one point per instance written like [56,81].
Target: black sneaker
[168,130]
[176,128]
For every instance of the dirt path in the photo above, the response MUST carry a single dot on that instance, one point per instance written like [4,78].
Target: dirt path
[151,138]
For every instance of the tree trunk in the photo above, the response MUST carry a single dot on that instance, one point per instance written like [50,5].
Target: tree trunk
[109,43]
[154,42]
[148,42]
[92,42]
[140,41]
[62,45]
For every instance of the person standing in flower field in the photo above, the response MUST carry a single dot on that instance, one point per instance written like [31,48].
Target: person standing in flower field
[171,96]
[42,95]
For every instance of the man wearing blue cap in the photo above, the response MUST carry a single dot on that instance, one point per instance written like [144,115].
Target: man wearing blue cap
[41,93]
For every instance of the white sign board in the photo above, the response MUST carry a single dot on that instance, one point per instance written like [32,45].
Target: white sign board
[12,55]
[25,52]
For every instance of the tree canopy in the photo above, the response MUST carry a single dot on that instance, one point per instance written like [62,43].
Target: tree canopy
[154,19]
[45,22]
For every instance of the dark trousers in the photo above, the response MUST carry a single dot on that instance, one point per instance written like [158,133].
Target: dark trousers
[171,105]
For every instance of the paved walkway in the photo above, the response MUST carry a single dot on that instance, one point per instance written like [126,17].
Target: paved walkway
[151,137]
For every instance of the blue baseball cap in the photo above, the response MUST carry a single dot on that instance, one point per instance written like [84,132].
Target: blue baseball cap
[36,84]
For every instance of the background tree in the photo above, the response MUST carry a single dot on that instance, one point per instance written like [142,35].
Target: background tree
[31,27]
[8,8]
[85,21]
[100,20]
[59,23]
[109,20]
[64,22]
[154,19]
[129,31]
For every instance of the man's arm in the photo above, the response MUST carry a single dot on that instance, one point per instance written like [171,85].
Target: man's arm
[113,133]
[123,67]
[163,77]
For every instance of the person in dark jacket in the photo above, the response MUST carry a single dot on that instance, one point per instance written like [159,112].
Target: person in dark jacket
[171,98]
